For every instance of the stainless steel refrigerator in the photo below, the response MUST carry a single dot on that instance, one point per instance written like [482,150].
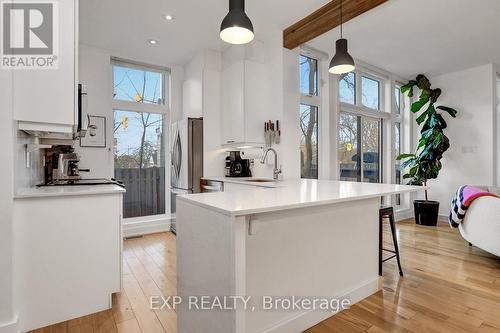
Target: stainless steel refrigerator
[186,159]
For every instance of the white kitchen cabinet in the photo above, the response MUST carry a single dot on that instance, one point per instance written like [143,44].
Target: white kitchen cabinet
[233,103]
[45,99]
[67,253]
[243,107]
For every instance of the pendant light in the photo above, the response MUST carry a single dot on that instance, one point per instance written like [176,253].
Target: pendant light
[342,62]
[236,28]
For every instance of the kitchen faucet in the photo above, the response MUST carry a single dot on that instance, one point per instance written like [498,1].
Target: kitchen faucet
[276,171]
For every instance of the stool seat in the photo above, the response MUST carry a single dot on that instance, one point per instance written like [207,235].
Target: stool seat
[388,212]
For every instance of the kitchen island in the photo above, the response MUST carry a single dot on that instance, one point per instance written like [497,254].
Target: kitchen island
[308,239]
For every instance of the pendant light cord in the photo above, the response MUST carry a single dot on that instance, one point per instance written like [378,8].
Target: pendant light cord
[341,19]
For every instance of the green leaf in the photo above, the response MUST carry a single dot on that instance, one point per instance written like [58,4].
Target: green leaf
[423,82]
[408,88]
[435,93]
[407,163]
[420,119]
[415,107]
[438,138]
[427,133]
[413,170]
[451,112]
[404,156]
[422,142]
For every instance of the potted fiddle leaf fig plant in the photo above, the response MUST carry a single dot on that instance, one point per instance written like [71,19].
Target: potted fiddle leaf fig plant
[425,163]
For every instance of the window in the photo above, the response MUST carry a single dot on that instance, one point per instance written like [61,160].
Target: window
[360,151]
[308,76]
[140,161]
[359,136]
[397,97]
[370,136]
[347,88]
[140,137]
[370,92]
[350,169]
[308,141]
[138,85]
[309,116]
[397,152]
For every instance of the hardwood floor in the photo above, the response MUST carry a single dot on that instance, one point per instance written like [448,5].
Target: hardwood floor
[448,287]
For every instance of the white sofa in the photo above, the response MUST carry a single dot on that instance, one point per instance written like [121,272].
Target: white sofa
[481,225]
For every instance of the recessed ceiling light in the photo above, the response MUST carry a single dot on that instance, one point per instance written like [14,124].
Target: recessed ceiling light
[152,41]
[168,17]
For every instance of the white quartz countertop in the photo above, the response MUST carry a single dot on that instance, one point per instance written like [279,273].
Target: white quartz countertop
[293,194]
[55,191]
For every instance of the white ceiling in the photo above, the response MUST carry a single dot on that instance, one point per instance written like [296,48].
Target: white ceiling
[126,25]
[405,37]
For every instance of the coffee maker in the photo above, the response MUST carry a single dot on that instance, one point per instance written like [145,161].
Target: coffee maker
[237,166]
[61,166]
[67,167]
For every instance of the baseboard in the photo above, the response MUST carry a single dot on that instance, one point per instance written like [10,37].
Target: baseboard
[307,319]
[9,327]
[137,228]
[403,215]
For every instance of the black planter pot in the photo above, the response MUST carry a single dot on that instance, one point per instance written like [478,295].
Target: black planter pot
[426,212]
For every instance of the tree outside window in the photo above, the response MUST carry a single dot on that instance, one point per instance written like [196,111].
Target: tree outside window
[308,118]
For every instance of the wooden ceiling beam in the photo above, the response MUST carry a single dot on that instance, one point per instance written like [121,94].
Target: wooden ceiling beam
[325,19]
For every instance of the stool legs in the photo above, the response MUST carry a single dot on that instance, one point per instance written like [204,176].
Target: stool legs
[389,213]
[380,243]
[395,240]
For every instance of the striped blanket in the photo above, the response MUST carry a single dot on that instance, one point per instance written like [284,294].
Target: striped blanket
[465,195]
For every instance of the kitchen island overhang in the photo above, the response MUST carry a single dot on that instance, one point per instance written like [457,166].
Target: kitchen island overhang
[305,238]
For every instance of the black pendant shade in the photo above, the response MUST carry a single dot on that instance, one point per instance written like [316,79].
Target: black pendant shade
[236,28]
[342,62]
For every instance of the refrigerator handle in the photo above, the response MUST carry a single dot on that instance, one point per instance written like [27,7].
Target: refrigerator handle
[177,155]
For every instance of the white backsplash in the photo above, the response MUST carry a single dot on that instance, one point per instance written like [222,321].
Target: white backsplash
[258,169]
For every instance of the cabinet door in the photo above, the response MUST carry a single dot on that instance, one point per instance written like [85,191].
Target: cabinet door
[48,96]
[255,106]
[233,103]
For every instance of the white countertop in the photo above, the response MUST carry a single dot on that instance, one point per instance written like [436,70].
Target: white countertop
[55,191]
[292,194]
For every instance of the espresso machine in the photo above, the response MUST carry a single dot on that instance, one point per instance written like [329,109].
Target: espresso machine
[67,168]
[237,166]
[61,169]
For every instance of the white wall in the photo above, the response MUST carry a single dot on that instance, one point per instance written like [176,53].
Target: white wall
[471,158]
[6,202]
[290,100]
[95,73]
[497,125]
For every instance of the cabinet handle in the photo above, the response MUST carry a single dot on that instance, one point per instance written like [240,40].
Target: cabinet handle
[230,141]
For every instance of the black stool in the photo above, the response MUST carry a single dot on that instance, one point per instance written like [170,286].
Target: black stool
[387,212]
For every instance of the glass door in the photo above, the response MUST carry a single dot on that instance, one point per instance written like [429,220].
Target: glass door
[370,136]
[359,150]
[140,161]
